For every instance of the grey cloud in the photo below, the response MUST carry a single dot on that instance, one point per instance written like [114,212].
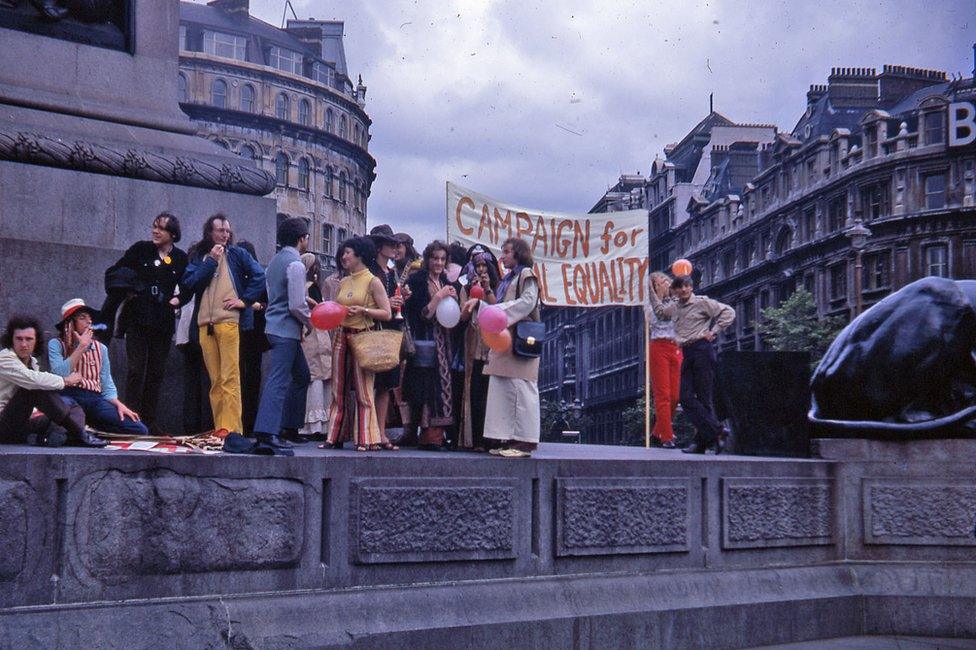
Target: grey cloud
[628,77]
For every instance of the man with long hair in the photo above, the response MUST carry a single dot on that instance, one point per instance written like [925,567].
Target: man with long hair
[512,414]
[225,281]
[23,388]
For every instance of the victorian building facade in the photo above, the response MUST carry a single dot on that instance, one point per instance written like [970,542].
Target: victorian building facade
[283,98]
[761,213]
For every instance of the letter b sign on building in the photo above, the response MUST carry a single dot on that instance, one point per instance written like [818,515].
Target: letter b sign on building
[962,124]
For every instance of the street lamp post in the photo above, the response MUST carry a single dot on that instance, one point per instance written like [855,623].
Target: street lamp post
[858,234]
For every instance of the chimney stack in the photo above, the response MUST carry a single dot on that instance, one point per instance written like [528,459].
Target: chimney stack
[853,87]
[897,82]
[815,93]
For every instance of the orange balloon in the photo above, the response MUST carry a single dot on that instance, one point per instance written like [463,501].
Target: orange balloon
[499,342]
[681,267]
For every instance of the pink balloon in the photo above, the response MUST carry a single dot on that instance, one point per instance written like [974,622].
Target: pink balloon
[492,319]
[328,315]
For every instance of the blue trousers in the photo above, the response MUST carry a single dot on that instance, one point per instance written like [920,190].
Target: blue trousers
[282,403]
[697,387]
[101,414]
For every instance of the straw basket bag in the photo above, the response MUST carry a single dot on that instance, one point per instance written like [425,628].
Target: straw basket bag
[377,350]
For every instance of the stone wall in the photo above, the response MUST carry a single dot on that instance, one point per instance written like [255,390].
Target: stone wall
[627,539]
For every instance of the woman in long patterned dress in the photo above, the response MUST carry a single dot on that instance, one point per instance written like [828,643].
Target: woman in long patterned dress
[353,411]
[429,389]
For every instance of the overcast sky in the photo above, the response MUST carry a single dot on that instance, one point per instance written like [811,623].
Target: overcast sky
[545,104]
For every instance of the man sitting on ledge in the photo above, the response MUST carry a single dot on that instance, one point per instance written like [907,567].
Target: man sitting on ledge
[23,388]
[77,352]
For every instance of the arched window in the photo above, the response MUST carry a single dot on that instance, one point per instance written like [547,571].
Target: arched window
[181,85]
[783,240]
[355,130]
[247,151]
[342,187]
[303,173]
[343,127]
[330,121]
[282,107]
[365,137]
[328,182]
[247,98]
[304,112]
[281,170]
[218,93]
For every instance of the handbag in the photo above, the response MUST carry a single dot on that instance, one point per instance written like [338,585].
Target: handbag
[528,339]
[376,350]
[407,348]
[425,355]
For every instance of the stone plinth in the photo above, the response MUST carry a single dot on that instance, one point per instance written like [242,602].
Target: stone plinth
[579,546]
[93,146]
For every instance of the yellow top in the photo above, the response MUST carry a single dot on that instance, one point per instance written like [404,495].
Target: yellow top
[354,290]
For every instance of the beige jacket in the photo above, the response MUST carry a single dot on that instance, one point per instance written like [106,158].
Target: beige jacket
[520,302]
[14,374]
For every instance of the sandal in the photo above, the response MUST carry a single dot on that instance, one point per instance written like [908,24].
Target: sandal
[330,445]
[387,446]
[362,448]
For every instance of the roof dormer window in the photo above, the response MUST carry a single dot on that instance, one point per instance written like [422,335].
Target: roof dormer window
[286,60]
[225,45]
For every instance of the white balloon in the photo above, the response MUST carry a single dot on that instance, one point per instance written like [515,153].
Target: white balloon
[448,312]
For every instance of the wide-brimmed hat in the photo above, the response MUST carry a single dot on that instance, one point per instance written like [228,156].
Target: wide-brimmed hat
[404,238]
[73,307]
[383,234]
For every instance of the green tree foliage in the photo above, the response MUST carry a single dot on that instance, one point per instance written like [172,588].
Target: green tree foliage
[558,417]
[794,326]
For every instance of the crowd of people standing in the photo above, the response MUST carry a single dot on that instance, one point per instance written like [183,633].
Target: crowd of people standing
[229,317]
[452,384]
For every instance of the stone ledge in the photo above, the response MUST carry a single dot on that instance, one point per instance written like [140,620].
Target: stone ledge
[715,609]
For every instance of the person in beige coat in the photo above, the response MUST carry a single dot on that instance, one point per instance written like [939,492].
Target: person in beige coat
[512,412]
[317,346]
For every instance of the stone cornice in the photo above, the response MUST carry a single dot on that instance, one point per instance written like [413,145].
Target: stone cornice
[131,162]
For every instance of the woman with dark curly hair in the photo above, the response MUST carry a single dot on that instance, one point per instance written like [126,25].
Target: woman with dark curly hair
[353,411]
[481,271]
[428,383]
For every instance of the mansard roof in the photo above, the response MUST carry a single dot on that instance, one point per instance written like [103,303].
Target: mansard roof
[823,118]
[267,35]
[687,154]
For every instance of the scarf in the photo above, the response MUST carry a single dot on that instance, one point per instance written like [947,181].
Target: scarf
[510,277]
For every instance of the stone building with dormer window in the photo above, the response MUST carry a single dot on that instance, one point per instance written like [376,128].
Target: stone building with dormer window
[283,98]
[761,213]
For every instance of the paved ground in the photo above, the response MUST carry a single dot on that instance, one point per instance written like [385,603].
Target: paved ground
[546,451]
[878,643]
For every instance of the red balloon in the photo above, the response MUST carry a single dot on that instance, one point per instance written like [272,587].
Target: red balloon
[499,342]
[681,267]
[477,292]
[328,315]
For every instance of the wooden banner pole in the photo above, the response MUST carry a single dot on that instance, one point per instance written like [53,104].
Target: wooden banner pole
[647,382]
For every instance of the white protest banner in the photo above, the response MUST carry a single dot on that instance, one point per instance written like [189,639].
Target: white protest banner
[581,260]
